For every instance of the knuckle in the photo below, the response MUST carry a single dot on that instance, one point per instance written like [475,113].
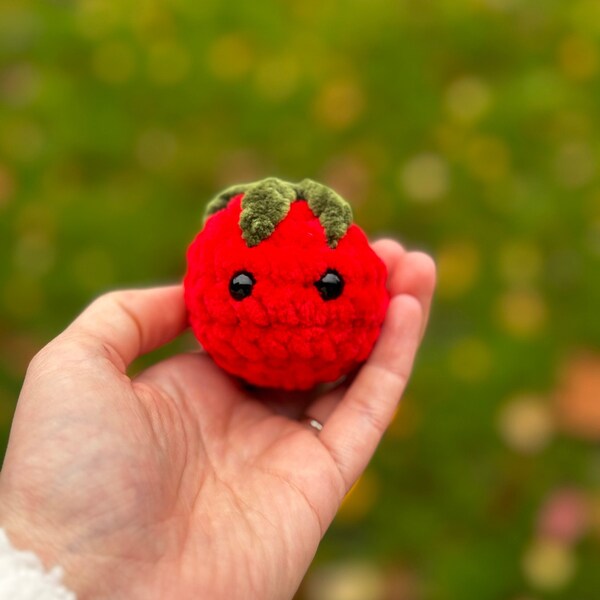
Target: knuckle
[38,361]
[412,307]
[111,299]
[62,352]
[44,359]
[371,416]
[375,420]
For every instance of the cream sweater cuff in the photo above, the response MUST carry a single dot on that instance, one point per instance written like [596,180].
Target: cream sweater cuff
[23,576]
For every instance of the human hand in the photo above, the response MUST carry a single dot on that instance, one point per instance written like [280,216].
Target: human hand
[180,483]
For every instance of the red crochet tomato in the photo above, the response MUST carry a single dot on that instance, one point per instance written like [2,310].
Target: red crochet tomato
[280,297]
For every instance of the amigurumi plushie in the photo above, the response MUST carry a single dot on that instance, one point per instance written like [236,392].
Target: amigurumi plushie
[282,290]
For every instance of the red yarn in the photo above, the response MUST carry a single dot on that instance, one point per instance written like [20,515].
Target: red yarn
[284,335]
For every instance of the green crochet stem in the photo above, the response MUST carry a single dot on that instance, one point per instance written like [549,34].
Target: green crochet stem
[266,203]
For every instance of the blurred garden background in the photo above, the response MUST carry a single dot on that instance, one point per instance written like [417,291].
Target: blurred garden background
[467,128]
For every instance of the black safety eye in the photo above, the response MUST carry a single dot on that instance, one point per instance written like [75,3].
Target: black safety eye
[241,285]
[330,286]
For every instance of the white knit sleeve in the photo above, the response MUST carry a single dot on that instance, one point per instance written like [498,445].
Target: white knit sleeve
[23,576]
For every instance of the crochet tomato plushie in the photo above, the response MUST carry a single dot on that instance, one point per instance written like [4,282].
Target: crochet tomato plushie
[282,289]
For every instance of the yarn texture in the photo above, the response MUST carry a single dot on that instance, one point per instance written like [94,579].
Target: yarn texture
[286,294]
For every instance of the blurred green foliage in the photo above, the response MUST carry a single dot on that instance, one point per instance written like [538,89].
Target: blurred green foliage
[468,128]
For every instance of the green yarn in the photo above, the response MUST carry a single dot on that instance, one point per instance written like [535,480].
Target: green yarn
[332,210]
[267,202]
[264,206]
[221,201]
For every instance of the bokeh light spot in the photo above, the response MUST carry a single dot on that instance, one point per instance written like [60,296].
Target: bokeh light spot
[488,158]
[113,62]
[564,516]
[230,57]
[459,264]
[548,565]
[277,77]
[468,99]
[470,360]
[20,26]
[349,176]
[425,178]
[346,581]
[156,149]
[578,409]
[520,262]
[96,18]
[522,312]
[339,104]
[578,57]
[526,424]
[34,254]
[151,19]
[19,84]
[575,164]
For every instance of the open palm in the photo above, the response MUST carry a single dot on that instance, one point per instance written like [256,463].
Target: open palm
[181,483]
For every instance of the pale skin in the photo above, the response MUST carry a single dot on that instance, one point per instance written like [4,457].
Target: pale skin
[181,483]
